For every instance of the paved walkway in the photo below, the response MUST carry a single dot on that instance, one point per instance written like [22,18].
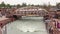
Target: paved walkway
[3,21]
[3,18]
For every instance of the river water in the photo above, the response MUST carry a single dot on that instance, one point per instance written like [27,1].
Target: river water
[27,25]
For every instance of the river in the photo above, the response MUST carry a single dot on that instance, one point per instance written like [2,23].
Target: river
[27,25]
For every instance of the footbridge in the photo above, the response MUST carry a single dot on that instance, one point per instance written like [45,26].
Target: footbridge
[30,11]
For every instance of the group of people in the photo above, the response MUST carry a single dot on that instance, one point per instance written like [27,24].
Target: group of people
[5,12]
[53,23]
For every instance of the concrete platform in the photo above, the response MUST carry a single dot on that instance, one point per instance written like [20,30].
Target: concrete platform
[3,21]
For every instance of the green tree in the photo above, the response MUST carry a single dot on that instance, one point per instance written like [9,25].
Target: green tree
[32,5]
[24,4]
[2,4]
[58,5]
[37,5]
[8,6]
[44,5]
[18,5]
[29,5]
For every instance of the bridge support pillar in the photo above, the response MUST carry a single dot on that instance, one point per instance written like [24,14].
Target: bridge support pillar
[19,17]
[15,16]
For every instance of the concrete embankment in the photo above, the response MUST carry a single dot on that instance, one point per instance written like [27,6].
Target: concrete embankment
[4,21]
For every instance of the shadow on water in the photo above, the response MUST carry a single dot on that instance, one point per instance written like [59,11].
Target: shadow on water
[28,18]
[31,19]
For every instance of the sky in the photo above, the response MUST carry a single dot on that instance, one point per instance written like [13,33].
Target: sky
[35,2]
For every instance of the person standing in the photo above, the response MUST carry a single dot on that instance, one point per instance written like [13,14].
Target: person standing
[0,14]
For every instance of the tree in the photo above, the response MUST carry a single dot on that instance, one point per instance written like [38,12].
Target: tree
[44,5]
[18,5]
[58,5]
[8,6]
[29,5]
[24,4]
[37,5]
[2,4]
[32,5]
[49,5]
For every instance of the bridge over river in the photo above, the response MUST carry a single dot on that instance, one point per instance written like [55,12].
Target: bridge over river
[30,11]
[28,24]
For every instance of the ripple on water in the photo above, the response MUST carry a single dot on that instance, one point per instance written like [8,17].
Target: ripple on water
[27,24]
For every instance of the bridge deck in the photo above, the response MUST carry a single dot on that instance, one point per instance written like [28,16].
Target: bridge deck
[24,12]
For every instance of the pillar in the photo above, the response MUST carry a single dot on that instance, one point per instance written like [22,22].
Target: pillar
[19,17]
[15,16]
